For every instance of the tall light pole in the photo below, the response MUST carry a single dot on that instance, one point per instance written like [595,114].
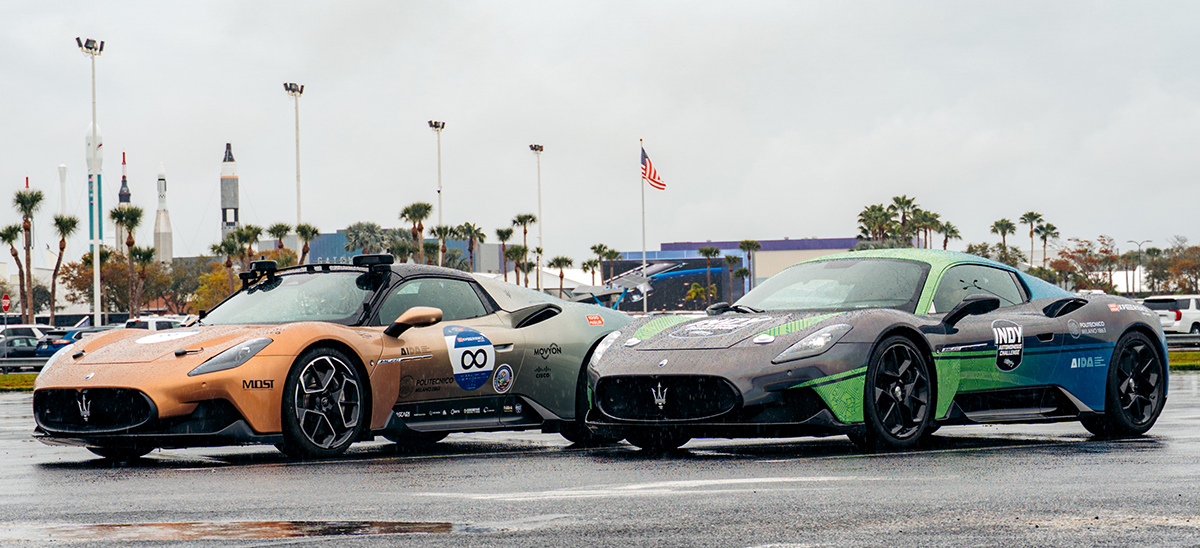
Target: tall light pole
[537,151]
[437,128]
[93,50]
[1138,278]
[296,90]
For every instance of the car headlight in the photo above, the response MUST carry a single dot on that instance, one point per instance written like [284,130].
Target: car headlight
[814,344]
[604,344]
[232,357]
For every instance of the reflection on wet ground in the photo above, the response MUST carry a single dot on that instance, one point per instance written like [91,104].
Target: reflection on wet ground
[242,530]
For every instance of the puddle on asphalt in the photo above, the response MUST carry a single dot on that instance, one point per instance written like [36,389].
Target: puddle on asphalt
[207,530]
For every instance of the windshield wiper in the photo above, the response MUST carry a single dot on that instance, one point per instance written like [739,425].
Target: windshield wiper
[744,309]
[722,307]
[975,284]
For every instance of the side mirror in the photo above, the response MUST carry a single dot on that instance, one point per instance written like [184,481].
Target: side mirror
[971,306]
[417,316]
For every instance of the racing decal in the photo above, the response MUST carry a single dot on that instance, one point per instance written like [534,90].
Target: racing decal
[1010,344]
[542,372]
[408,385]
[1115,307]
[545,353]
[1087,361]
[434,384]
[716,327]
[267,384]
[798,325]
[503,379]
[472,356]
[1077,329]
[653,327]
[595,319]
[167,336]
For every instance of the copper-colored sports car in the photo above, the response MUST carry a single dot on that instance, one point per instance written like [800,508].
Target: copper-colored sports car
[314,358]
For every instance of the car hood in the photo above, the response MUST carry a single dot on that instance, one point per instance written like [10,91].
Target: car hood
[141,346]
[717,332]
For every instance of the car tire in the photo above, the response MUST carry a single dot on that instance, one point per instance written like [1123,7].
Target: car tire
[1195,329]
[324,405]
[121,454]
[1134,392]
[662,439]
[576,431]
[897,396]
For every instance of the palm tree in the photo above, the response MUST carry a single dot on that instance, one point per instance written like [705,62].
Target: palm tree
[129,218]
[442,233]
[741,273]
[515,253]
[306,233]
[279,231]
[537,251]
[144,257]
[228,248]
[64,226]
[416,213]
[1033,219]
[27,203]
[524,220]
[249,236]
[1045,232]
[527,267]
[9,236]
[948,232]
[599,250]
[560,263]
[1003,227]
[925,222]
[401,248]
[750,247]
[709,253]
[903,205]
[504,235]
[590,266]
[612,256]
[429,250]
[368,237]
[730,262]
[473,235]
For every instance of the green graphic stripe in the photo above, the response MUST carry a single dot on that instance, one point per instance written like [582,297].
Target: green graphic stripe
[653,327]
[798,325]
[845,397]
[833,378]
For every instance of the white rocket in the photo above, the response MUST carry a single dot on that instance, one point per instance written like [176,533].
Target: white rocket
[163,240]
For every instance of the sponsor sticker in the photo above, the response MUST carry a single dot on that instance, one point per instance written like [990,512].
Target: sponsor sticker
[1010,344]
[267,384]
[546,352]
[595,319]
[1087,361]
[408,385]
[1078,329]
[472,356]
[715,327]
[503,379]
[167,336]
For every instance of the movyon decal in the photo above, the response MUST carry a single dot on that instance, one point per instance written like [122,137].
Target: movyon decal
[1010,344]
[472,356]
[715,327]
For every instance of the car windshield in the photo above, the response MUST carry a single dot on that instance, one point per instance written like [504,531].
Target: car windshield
[326,296]
[843,284]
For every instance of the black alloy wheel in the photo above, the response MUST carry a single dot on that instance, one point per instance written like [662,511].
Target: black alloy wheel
[658,439]
[1135,391]
[323,408]
[897,396]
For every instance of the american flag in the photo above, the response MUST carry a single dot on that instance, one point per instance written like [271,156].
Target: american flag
[649,174]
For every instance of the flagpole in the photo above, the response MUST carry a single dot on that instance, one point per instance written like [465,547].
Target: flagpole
[645,295]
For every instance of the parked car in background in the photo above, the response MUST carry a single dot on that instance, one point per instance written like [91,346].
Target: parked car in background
[1178,313]
[36,331]
[19,347]
[61,338]
[153,323]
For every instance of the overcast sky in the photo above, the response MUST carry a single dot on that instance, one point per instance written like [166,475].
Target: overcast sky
[765,120]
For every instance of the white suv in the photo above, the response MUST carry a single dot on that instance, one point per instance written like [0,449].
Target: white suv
[153,323]
[1178,313]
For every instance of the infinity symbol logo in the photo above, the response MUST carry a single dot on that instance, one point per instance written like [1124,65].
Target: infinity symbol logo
[477,358]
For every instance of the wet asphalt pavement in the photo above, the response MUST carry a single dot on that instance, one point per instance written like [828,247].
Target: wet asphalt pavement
[1025,485]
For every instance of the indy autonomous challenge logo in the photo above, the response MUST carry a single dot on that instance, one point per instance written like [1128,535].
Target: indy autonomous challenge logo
[471,355]
[1010,344]
[715,327]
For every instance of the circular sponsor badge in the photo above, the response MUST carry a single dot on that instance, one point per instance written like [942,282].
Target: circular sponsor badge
[503,379]
[472,356]
[167,336]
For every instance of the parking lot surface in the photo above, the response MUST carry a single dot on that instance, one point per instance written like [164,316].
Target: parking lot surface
[1020,485]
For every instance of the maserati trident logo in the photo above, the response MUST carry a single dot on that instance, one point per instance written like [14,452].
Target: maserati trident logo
[85,406]
[660,396]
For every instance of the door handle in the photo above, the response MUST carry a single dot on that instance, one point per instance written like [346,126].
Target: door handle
[1045,337]
[504,347]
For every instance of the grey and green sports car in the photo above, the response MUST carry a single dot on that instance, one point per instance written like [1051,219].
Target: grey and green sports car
[886,347]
